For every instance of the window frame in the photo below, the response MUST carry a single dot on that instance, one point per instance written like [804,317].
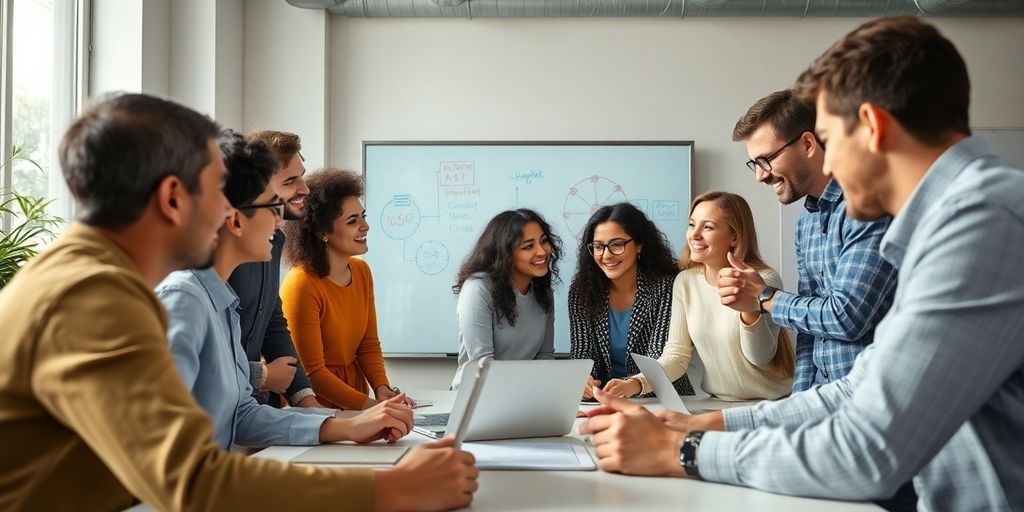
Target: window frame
[71,52]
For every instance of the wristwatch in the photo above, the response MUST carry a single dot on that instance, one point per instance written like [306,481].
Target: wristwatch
[688,453]
[766,295]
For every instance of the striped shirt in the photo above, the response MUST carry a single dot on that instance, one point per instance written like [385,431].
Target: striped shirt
[845,288]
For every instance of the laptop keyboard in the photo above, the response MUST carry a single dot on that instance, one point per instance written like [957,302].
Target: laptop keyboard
[431,420]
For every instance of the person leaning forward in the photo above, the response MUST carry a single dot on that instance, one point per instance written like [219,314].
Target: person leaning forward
[89,395]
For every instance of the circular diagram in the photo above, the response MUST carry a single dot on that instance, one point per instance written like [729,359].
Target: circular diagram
[400,217]
[432,257]
[585,198]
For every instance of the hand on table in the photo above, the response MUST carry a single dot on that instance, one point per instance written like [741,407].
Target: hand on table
[434,476]
[629,439]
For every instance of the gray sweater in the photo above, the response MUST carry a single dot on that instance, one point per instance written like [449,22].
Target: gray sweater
[481,334]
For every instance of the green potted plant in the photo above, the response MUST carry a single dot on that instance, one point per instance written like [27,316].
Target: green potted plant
[31,226]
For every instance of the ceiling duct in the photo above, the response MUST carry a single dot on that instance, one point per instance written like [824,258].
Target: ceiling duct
[662,8]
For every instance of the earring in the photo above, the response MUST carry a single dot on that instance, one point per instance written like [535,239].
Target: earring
[324,239]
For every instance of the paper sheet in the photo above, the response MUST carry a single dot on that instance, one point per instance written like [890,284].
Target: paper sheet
[568,454]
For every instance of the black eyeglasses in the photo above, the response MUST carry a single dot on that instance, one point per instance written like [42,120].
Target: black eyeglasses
[617,247]
[276,208]
[765,162]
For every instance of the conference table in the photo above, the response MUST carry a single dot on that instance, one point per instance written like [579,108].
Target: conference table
[601,491]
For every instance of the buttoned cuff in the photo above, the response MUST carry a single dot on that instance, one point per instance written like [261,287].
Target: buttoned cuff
[716,457]
[305,429]
[738,418]
[782,306]
[299,395]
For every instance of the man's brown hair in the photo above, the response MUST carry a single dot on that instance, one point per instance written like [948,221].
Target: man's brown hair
[788,115]
[900,64]
[284,145]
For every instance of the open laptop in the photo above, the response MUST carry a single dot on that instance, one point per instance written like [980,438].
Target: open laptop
[663,387]
[518,399]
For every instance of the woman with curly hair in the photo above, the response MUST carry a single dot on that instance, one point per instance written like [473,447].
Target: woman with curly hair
[505,291]
[327,297]
[620,302]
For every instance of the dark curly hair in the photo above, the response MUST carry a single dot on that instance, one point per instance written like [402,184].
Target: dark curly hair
[590,284]
[250,165]
[328,188]
[493,254]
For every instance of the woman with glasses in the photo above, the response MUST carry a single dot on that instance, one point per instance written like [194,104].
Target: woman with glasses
[746,356]
[620,299]
[327,298]
[204,334]
[505,288]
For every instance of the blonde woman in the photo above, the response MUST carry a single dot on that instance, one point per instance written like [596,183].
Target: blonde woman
[746,356]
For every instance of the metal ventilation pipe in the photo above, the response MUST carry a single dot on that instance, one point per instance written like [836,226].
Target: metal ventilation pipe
[663,8]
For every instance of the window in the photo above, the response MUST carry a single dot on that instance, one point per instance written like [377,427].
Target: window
[44,56]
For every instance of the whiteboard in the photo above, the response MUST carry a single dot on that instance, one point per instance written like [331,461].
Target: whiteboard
[427,203]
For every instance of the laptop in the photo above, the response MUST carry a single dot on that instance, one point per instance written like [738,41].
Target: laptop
[518,399]
[663,387]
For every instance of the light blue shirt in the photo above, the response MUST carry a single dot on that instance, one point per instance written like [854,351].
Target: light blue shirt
[618,333]
[939,395]
[203,331]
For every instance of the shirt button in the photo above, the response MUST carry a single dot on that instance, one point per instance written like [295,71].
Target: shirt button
[825,374]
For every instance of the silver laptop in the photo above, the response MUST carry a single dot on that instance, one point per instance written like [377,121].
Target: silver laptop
[663,387]
[518,399]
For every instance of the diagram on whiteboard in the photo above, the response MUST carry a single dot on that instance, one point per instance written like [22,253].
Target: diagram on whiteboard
[586,197]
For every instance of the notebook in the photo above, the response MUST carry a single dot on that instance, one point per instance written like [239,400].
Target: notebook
[545,454]
[346,453]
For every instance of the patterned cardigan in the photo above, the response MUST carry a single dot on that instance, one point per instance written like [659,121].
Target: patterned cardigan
[648,329]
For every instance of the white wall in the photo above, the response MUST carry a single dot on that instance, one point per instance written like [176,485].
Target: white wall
[286,74]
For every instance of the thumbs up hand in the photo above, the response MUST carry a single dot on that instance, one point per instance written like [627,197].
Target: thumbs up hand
[740,286]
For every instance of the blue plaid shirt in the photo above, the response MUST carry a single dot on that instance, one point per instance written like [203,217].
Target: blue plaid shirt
[845,289]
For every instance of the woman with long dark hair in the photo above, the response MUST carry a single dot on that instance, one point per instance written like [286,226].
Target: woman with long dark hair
[620,299]
[505,288]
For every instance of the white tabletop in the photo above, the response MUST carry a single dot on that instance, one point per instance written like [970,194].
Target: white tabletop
[600,491]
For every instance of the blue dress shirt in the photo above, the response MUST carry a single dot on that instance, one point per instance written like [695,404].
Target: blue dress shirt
[939,396]
[845,288]
[203,332]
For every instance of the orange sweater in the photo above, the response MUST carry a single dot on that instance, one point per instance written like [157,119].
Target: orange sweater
[334,329]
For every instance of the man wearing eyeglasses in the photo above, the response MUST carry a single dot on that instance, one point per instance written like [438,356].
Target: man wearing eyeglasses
[265,334]
[845,287]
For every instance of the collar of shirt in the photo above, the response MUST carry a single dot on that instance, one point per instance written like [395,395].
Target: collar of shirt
[830,196]
[221,294]
[936,180]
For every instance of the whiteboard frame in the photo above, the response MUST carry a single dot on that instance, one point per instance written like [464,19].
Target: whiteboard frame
[539,143]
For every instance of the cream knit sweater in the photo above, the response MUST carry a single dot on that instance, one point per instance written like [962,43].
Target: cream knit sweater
[735,356]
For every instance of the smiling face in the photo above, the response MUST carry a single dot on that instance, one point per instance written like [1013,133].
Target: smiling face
[348,233]
[709,236]
[530,255]
[289,185]
[792,176]
[860,172]
[258,228]
[615,266]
